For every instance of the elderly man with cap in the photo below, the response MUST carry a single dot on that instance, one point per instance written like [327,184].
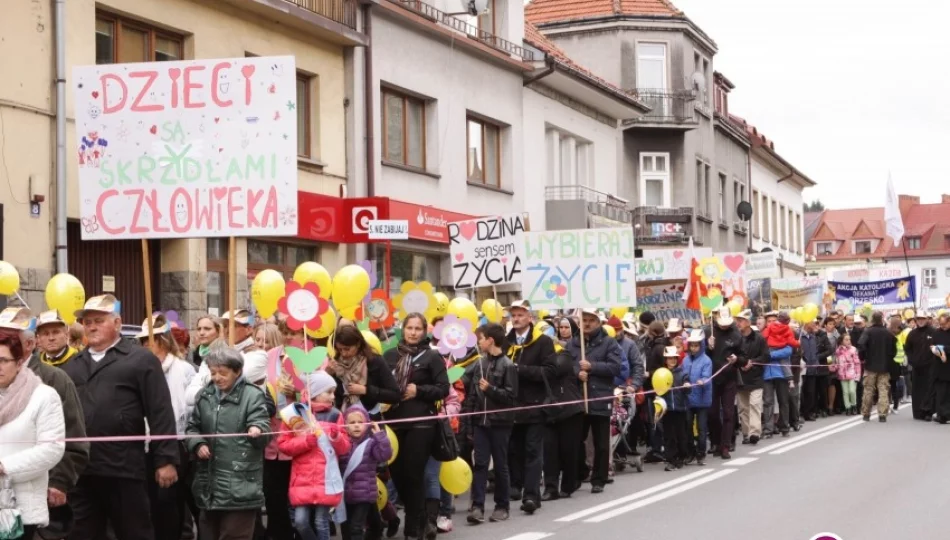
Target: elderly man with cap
[63,477]
[121,386]
[597,367]
[723,345]
[921,361]
[52,338]
[532,353]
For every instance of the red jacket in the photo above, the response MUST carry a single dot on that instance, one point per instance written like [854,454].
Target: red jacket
[778,335]
[308,470]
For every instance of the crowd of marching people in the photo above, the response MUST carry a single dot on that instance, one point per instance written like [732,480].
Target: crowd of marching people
[194,438]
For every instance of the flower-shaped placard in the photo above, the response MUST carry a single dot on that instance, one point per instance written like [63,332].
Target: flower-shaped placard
[302,305]
[379,310]
[455,336]
[710,270]
[416,298]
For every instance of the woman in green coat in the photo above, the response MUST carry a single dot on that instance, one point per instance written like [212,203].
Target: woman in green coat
[228,484]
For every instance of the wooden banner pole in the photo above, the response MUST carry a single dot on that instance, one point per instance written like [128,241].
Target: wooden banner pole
[232,287]
[147,274]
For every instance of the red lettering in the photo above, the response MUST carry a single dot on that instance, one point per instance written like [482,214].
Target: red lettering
[252,199]
[190,86]
[109,109]
[152,201]
[234,208]
[215,77]
[269,218]
[180,214]
[173,74]
[150,77]
[204,212]
[137,212]
[100,216]
[248,72]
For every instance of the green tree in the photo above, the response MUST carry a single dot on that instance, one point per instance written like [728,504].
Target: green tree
[814,206]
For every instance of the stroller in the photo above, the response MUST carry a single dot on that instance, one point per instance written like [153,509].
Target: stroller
[622,414]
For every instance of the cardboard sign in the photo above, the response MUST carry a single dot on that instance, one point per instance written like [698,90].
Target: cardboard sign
[486,251]
[199,148]
[789,299]
[761,265]
[666,302]
[667,264]
[580,268]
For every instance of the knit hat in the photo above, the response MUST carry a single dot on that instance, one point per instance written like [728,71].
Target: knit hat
[615,323]
[320,382]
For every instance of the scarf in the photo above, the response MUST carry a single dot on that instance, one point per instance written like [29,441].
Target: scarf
[16,397]
[351,371]
[407,353]
[203,350]
[64,356]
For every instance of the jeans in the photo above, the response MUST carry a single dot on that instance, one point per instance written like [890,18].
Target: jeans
[526,459]
[701,417]
[750,412]
[312,522]
[722,414]
[561,454]
[849,393]
[491,445]
[434,489]
[778,389]
[599,427]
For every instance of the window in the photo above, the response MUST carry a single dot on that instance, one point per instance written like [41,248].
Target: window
[862,247]
[655,179]
[285,258]
[583,163]
[913,242]
[930,278]
[217,271]
[303,115]
[404,130]
[776,232]
[790,227]
[701,189]
[651,66]
[700,87]
[408,266]
[119,41]
[484,152]
[755,213]
[799,232]
[823,248]
[722,198]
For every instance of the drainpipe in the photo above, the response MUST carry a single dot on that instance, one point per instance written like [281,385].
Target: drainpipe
[549,62]
[59,17]
[369,100]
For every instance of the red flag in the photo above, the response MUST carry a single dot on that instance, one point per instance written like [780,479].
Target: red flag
[692,291]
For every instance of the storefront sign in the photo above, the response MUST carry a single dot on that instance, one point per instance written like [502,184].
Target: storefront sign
[667,229]
[666,264]
[486,251]
[199,148]
[425,222]
[884,294]
[761,265]
[388,229]
[580,268]
[332,219]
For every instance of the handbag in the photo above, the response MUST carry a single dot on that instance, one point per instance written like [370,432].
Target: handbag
[444,446]
[11,522]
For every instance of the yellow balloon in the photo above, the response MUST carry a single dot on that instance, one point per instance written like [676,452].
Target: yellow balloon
[441,304]
[327,325]
[311,272]
[662,381]
[492,310]
[9,278]
[734,307]
[610,331]
[810,311]
[373,341]
[382,494]
[65,294]
[349,313]
[350,286]
[618,312]
[266,290]
[463,308]
[394,443]
[455,476]
[796,314]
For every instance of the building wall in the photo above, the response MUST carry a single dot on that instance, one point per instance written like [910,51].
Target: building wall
[765,183]
[731,161]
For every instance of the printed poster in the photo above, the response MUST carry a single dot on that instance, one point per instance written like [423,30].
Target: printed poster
[579,268]
[486,251]
[666,302]
[667,264]
[761,265]
[884,294]
[198,148]
[789,299]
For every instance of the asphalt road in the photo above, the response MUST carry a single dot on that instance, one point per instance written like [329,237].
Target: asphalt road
[857,480]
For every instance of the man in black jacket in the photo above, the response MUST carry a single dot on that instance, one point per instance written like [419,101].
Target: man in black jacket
[120,385]
[753,356]
[879,346]
[533,356]
[921,361]
[723,346]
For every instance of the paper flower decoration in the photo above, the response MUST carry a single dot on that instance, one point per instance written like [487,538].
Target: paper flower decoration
[710,270]
[455,336]
[370,268]
[303,306]
[554,290]
[379,310]
[416,298]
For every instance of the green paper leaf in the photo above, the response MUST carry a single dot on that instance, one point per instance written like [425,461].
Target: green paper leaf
[307,361]
[364,324]
[455,373]
[392,342]
[710,304]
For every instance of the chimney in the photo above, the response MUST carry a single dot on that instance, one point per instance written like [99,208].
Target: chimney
[945,199]
[906,202]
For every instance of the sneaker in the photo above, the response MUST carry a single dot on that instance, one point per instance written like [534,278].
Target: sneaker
[444,524]
[754,440]
[392,528]
[476,516]
[498,514]
[529,506]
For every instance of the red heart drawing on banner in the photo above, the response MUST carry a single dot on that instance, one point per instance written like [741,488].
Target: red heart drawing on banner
[153,130]
[467,230]
[681,288]
[220,192]
[733,262]
[95,94]
[504,260]
[677,254]
[247,71]
[459,257]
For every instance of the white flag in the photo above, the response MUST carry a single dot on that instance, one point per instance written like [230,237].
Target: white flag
[892,214]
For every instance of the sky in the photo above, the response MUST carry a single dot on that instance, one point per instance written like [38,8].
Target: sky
[848,90]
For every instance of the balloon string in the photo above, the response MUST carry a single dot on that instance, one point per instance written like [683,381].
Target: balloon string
[20,298]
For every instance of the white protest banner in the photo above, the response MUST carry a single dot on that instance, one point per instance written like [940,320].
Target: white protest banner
[761,265]
[666,264]
[666,302]
[863,274]
[486,251]
[579,268]
[199,148]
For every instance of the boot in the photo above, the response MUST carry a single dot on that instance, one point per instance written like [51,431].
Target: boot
[432,516]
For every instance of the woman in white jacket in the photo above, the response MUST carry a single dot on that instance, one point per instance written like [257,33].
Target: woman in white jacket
[31,433]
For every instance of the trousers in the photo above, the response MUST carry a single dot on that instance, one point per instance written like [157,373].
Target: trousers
[722,416]
[750,412]
[881,382]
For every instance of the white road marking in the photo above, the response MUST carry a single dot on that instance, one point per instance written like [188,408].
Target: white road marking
[799,444]
[529,536]
[738,462]
[634,496]
[661,496]
[806,434]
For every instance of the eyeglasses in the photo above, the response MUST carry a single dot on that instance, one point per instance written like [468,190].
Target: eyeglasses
[4,360]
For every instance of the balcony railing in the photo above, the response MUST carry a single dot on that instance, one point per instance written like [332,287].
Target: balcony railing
[472,31]
[656,225]
[667,106]
[603,209]
[341,11]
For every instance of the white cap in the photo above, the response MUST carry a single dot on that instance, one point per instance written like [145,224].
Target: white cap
[696,336]
[724,316]
[673,326]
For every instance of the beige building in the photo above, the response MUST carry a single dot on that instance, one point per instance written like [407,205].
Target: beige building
[189,275]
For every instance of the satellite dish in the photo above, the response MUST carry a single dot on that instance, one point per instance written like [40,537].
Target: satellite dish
[744,211]
[475,7]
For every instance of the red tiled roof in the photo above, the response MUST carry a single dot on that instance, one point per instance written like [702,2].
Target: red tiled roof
[929,222]
[548,11]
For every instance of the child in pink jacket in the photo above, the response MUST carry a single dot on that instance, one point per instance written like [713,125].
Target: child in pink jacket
[849,372]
